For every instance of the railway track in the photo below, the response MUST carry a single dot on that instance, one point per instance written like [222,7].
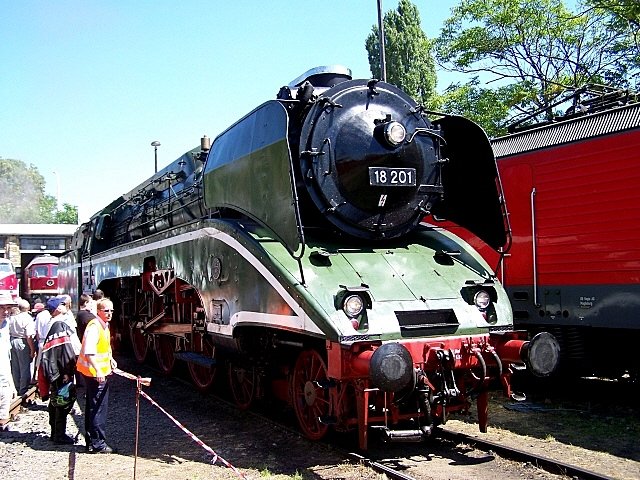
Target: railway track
[17,402]
[548,464]
[383,465]
[256,441]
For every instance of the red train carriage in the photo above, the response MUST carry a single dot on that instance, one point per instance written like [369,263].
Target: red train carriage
[8,278]
[573,191]
[41,278]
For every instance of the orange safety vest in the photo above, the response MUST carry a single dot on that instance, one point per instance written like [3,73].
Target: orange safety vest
[103,355]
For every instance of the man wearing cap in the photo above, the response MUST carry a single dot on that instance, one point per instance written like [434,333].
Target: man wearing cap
[22,330]
[57,370]
[70,320]
[7,388]
[43,322]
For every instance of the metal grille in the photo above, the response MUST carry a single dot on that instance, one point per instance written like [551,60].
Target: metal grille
[589,126]
[427,322]
[501,328]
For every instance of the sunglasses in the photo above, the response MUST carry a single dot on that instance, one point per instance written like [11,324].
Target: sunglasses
[106,310]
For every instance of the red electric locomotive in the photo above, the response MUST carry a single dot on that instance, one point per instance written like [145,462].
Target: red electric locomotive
[573,189]
[41,278]
[8,278]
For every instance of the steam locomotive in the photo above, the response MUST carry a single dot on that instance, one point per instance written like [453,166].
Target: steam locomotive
[291,252]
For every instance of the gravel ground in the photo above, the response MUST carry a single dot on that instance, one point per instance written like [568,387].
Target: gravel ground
[256,447]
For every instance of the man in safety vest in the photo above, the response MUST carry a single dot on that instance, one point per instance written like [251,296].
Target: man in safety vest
[96,363]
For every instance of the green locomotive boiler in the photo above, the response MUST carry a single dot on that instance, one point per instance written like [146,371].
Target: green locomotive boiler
[293,254]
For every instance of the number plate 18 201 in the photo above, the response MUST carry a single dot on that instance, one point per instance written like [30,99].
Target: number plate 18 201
[392,177]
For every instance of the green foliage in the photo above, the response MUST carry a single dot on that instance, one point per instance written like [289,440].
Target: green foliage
[622,16]
[21,191]
[266,473]
[50,214]
[539,45]
[626,11]
[487,107]
[68,214]
[22,197]
[408,53]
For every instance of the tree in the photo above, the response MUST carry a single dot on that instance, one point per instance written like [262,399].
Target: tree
[50,214]
[624,16]
[22,197]
[410,63]
[487,107]
[627,11]
[539,44]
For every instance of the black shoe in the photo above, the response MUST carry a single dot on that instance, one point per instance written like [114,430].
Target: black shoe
[105,449]
[64,440]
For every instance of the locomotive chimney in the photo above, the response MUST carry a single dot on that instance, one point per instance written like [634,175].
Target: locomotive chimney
[205,143]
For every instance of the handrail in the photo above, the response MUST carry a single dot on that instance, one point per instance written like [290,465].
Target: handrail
[534,248]
[296,209]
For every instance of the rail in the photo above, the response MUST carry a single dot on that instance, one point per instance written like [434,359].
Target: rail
[16,403]
[511,453]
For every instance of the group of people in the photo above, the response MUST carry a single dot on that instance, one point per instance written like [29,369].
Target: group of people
[44,347]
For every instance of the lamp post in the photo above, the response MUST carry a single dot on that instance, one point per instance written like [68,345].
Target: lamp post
[58,205]
[155,144]
[383,62]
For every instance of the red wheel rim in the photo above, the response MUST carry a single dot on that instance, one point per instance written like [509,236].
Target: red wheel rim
[242,382]
[202,376]
[139,344]
[310,401]
[165,353]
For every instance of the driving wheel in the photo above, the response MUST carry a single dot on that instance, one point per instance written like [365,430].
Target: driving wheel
[202,372]
[139,343]
[310,400]
[242,382]
[166,353]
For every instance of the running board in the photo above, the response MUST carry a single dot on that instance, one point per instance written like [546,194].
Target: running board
[197,358]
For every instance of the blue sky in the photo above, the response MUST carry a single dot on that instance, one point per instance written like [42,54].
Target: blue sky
[87,85]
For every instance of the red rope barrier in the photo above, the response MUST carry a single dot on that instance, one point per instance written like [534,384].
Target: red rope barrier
[146,382]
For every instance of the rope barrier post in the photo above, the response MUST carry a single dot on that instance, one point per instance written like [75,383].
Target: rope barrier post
[135,455]
[139,392]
